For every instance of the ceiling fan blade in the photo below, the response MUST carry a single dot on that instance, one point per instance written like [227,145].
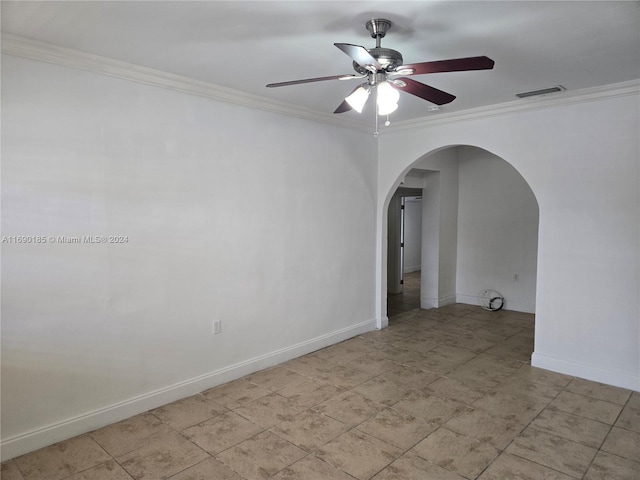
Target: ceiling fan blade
[423,91]
[452,65]
[360,55]
[348,76]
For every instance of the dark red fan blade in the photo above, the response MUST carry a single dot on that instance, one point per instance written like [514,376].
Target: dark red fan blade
[359,55]
[425,92]
[452,65]
[310,80]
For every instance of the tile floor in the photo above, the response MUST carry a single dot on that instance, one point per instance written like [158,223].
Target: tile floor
[443,394]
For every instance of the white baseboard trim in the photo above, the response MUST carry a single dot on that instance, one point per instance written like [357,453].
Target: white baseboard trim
[589,372]
[508,305]
[448,300]
[411,269]
[428,302]
[432,302]
[42,437]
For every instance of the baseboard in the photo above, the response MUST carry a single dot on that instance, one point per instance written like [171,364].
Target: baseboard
[42,437]
[432,302]
[428,302]
[411,269]
[508,305]
[448,300]
[589,372]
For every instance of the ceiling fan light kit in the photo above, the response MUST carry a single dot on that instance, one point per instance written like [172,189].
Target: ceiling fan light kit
[385,71]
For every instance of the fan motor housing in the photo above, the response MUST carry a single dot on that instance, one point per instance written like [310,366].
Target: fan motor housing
[388,58]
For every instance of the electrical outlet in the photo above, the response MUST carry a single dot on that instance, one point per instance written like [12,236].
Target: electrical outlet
[217,327]
[516,277]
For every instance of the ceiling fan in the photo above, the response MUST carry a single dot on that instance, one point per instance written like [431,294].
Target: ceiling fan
[383,69]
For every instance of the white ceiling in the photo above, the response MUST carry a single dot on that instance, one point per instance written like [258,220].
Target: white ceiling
[245,45]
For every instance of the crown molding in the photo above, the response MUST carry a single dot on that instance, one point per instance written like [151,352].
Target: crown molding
[46,52]
[564,98]
[18,46]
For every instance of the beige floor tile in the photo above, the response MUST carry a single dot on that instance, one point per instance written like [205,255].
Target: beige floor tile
[105,471]
[487,428]
[419,343]
[453,354]
[592,408]
[309,365]
[209,469]
[490,367]
[634,400]
[412,467]
[554,452]
[517,386]
[9,471]
[221,432]
[623,443]
[458,453]
[572,427]
[398,354]
[397,428]
[189,411]
[269,409]
[433,363]
[261,456]
[162,458]
[496,332]
[507,467]
[541,376]
[344,376]
[600,391]
[409,377]
[276,378]
[340,354]
[132,433]
[471,342]
[372,364]
[433,410]
[311,468]
[629,419]
[446,387]
[350,408]
[611,467]
[471,379]
[509,407]
[505,365]
[62,459]
[358,454]
[382,391]
[517,347]
[233,394]
[310,392]
[310,430]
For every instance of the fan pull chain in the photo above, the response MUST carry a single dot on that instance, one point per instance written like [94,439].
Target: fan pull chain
[376,133]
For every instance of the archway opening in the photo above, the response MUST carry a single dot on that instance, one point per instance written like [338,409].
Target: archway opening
[479,229]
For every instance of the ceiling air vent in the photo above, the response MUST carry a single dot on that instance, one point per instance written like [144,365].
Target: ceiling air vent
[544,91]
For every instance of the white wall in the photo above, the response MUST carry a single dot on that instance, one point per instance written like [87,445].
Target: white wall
[439,228]
[497,231]
[412,234]
[95,333]
[582,161]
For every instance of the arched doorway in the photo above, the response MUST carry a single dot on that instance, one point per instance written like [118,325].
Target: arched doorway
[480,229]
